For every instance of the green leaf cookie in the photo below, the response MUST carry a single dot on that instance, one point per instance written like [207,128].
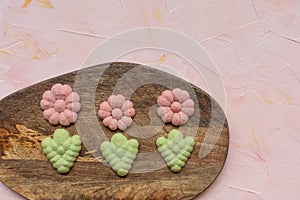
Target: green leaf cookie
[175,149]
[62,150]
[120,153]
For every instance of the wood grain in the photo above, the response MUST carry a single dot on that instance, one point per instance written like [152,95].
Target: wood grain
[24,168]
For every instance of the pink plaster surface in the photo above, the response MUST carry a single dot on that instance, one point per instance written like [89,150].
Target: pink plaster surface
[254,44]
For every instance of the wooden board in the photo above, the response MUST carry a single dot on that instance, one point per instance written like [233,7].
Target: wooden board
[24,168]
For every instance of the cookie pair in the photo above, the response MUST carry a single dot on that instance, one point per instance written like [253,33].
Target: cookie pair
[120,152]
[174,106]
[62,150]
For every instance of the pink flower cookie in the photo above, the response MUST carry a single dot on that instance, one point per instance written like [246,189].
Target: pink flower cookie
[175,106]
[116,112]
[60,105]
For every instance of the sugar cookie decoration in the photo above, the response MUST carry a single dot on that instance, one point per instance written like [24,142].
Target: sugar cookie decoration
[116,112]
[175,106]
[62,150]
[61,105]
[120,153]
[175,149]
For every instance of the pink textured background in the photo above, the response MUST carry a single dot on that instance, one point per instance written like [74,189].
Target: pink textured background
[255,45]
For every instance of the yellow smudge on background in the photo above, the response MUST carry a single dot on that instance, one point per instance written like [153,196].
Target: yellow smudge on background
[46,3]
[39,53]
[26,44]
[26,3]
[35,56]
[267,100]
[288,99]
[157,15]
[162,58]
[3,51]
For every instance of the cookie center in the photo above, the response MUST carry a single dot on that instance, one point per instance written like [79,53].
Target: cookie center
[176,107]
[60,105]
[117,113]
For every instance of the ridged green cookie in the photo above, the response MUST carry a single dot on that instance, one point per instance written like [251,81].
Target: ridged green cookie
[120,153]
[175,149]
[62,150]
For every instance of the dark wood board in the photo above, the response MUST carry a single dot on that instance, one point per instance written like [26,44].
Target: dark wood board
[25,169]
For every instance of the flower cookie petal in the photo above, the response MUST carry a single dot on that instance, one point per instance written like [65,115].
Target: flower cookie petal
[183,117]
[113,124]
[75,106]
[130,112]
[107,120]
[188,111]
[66,90]
[127,120]
[176,120]
[181,95]
[162,101]
[57,91]
[71,116]
[126,105]
[105,106]
[168,116]
[46,104]
[102,114]
[48,113]
[63,120]
[73,97]
[48,95]
[54,119]
[121,125]
[188,103]
[161,111]
[61,91]
[116,101]
[168,95]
